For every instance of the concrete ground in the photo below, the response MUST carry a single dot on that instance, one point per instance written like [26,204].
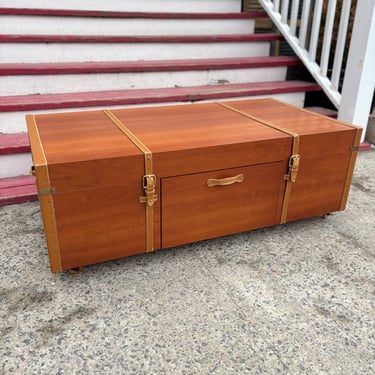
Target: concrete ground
[292,299]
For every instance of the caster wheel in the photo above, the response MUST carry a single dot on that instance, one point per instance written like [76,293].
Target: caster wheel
[75,270]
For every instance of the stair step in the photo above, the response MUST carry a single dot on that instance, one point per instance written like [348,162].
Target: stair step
[17,190]
[14,143]
[261,37]
[119,14]
[141,96]
[124,23]
[7,69]
[85,77]
[73,48]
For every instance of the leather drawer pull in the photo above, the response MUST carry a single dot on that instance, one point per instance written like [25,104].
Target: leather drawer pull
[225,181]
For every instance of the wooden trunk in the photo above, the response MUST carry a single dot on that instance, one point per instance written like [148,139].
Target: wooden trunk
[211,169]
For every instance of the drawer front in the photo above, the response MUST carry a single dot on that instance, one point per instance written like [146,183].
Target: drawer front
[207,205]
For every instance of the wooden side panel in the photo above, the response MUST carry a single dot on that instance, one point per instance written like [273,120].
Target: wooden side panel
[192,211]
[98,213]
[93,213]
[319,186]
[326,163]
[100,224]
[322,174]
[350,172]
[45,195]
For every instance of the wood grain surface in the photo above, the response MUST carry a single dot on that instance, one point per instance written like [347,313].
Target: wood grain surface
[94,213]
[192,211]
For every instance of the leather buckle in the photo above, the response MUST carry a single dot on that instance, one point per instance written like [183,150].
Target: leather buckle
[293,168]
[149,186]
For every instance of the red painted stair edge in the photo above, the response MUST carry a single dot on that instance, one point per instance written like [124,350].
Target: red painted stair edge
[117,14]
[14,143]
[17,190]
[12,182]
[146,66]
[143,96]
[261,37]
[365,146]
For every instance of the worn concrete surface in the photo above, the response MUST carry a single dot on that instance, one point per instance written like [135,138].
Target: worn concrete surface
[292,299]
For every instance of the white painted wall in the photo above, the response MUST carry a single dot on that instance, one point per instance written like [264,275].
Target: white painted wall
[181,6]
[79,52]
[15,165]
[32,25]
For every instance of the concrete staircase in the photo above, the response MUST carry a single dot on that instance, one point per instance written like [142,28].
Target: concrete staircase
[95,54]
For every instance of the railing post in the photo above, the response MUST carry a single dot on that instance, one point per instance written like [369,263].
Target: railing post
[315,29]
[284,11]
[328,28]
[359,81]
[276,5]
[304,23]
[294,17]
[340,44]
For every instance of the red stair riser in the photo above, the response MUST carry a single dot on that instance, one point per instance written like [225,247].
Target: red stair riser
[110,14]
[138,39]
[146,66]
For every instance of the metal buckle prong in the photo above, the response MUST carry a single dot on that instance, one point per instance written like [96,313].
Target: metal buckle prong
[149,186]
[146,178]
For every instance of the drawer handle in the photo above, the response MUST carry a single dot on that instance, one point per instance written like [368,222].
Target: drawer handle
[225,181]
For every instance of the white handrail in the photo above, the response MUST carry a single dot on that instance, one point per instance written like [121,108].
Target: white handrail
[284,14]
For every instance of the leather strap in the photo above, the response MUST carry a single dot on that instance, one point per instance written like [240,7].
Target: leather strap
[149,179]
[293,160]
